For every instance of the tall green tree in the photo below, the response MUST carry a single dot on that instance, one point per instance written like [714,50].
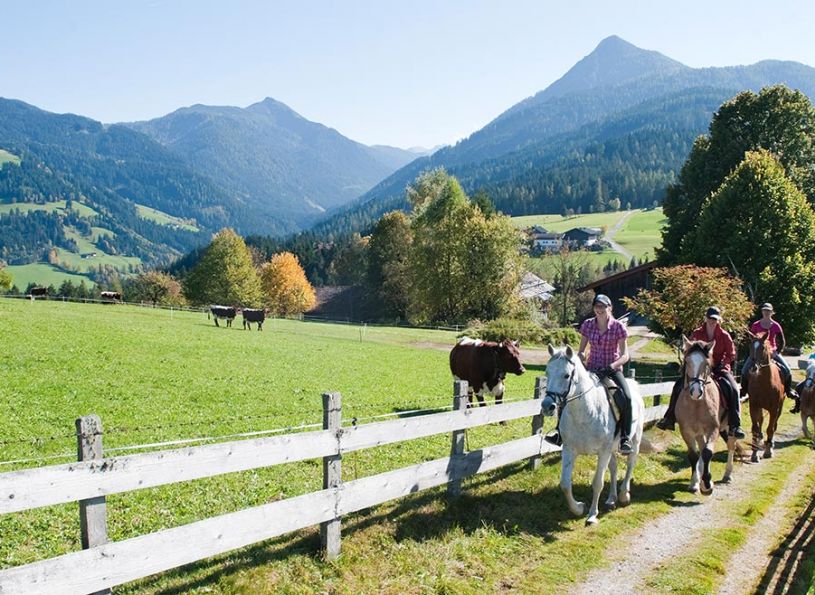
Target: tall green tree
[760,226]
[225,274]
[5,281]
[388,262]
[154,287]
[777,119]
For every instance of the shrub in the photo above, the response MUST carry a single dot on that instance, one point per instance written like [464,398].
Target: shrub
[525,330]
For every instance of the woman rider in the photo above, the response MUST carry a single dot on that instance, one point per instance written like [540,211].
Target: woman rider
[776,335]
[608,352]
[724,354]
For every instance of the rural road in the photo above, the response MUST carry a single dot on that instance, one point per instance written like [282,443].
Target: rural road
[609,237]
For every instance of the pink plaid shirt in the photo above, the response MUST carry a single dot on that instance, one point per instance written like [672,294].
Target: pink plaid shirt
[603,347]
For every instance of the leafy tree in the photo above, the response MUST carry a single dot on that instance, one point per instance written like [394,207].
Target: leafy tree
[462,265]
[285,288]
[760,226]
[225,274]
[680,296]
[155,287]
[483,201]
[777,119]
[426,188]
[5,281]
[350,262]
[388,262]
[570,270]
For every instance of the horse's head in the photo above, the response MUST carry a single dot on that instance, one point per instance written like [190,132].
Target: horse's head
[761,349]
[561,377]
[698,356]
[810,379]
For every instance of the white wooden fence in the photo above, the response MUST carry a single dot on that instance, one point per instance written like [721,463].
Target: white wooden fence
[102,565]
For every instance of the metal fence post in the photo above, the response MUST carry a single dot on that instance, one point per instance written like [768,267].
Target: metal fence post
[537,420]
[93,511]
[460,390]
[332,474]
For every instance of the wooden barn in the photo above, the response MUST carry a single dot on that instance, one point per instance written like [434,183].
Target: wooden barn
[624,284]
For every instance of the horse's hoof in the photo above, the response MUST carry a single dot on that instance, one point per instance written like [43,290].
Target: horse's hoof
[580,509]
[693,489]
[768,454]
[625,499]
[592,520]
[609,506]
[726,479]
[706,492]
[754,458]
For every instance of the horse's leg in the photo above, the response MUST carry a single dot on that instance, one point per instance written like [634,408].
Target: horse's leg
[707,455]
[611,501]
[771,426]
[693,458]
[566,468]
[625,486]
[757,415]
[731,451]
[804,425]
[597,484]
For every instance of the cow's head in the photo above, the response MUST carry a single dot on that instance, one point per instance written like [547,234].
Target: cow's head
[509,357]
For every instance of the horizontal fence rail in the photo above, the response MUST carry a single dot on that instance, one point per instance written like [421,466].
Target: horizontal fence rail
[108,564]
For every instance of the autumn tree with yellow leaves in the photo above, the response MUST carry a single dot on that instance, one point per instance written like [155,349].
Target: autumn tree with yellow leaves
[285,288]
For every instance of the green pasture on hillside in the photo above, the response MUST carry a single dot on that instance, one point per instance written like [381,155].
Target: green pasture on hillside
[558,223]
[6,157]
[163,218]
[57,205]
[42,274]
[155,375]
[641,233]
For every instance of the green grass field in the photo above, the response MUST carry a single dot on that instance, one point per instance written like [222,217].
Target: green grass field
[57,205]
[6,157]
[43,274]
[641,233]
[163,218]
[158,375]
[559,223]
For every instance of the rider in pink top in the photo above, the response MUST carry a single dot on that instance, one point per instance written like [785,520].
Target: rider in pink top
[767,325]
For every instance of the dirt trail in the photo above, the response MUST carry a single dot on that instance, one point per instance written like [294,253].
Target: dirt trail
[641,553]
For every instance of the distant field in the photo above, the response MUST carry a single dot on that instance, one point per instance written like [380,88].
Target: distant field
[6,157]
[85,246]
[641,233]
[57,205]
[559,223]
[163,218]
[42,274]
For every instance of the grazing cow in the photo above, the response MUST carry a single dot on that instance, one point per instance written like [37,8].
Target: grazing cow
[484,365]
[36,292]
[250,316]
[111,296]
[228,313]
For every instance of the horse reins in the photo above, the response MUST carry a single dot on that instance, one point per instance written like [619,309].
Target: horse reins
[563,398]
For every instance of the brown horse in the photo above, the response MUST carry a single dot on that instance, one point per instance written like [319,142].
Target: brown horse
[766,392]
[808,401]
[701,415]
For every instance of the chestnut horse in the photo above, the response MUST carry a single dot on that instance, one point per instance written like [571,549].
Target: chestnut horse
[808,401]
[701,415]
[766,393]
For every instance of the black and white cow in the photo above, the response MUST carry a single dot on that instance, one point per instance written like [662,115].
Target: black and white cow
[36,292]
[251,315]
[228,313]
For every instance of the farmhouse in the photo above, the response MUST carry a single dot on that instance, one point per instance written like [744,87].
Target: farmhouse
[583,236]
[536,291]
[543,240]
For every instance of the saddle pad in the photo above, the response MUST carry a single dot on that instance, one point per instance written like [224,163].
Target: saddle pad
[614,396]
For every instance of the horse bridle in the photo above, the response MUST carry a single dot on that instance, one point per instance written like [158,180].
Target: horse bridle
[562,398]
[702,382]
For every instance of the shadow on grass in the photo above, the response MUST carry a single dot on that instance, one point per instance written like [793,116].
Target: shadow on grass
[420,517]
[795,572]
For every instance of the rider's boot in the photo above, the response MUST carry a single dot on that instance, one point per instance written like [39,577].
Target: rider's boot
[668,422]
[791,393]
[734,415]
[625,428]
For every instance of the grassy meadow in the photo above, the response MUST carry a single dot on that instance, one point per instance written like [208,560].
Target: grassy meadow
[156,375]
[43,274]
[6,157]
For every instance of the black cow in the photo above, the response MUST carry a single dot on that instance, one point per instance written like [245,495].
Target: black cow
[250,316]
[36,292]
[484,365]
[226,312]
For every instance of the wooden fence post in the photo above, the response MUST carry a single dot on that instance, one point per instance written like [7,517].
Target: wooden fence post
[537,420]
[460,390]
[632,373]
[93,511]
[657,379]
[332,474]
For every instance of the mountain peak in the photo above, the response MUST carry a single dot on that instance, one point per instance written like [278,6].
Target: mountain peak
[272,106]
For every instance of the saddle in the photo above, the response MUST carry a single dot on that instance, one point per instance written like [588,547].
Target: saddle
[615,400]
[723,387]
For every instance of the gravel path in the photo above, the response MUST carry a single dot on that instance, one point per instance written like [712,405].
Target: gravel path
[662,539]
[609,237]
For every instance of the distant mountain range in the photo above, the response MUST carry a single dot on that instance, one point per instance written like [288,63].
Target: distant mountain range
[619,124]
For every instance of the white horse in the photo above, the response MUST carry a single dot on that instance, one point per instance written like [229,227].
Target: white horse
[587,426]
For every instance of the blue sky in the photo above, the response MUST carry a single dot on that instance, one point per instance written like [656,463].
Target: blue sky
[404,73]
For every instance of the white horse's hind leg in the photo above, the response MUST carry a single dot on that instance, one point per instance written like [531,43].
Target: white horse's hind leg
[804,425]
[597,485]
[611,501]
[567,466]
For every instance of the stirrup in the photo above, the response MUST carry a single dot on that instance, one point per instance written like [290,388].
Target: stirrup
[625,446]
[553,437]
[666,424]
[738,433]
